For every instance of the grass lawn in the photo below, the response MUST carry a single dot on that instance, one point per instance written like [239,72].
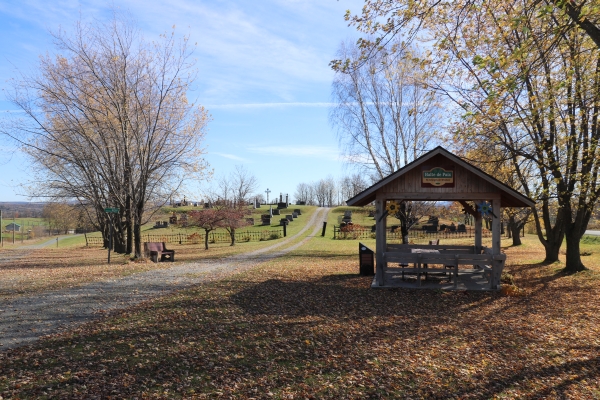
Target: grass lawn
[307,326]
[293,228]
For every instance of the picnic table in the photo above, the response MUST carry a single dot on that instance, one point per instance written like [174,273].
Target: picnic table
[422,251]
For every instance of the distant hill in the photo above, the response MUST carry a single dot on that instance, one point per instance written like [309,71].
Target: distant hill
[23,208]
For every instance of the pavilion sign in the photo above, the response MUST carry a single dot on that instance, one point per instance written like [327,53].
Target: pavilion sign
[437,177]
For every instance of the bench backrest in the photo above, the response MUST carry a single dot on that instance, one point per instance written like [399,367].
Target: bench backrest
[154,246]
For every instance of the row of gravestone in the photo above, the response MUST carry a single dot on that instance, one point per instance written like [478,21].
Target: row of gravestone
[266,218]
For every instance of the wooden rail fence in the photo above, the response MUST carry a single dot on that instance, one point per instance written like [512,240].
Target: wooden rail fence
[197,237]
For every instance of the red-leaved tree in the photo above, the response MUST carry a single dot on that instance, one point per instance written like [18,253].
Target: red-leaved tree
[209,220]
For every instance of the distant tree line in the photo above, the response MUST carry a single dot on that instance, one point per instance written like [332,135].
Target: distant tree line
[328,193]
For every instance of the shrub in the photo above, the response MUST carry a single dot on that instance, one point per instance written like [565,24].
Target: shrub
[274,236]
[507,278]
[351,231]
[194,238]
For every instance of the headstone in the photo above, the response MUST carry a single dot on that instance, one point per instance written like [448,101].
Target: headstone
[297,211]
[206,205]
[283,221]
[257,205]
[276,212]
[289,217]
[294,215]
[271,211]
[301,203]
[266,220]
[281,205]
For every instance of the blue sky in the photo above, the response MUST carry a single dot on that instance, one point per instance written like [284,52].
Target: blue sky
[263,75]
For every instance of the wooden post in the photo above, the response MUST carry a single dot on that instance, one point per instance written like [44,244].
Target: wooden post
[380,241]
[456,271]
[419,269]
[496,236]
[478,235]
[496,243]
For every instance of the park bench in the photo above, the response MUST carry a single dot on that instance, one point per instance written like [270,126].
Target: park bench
[154,249]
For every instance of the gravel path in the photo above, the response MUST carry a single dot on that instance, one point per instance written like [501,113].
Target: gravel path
[24,251]
[26,319]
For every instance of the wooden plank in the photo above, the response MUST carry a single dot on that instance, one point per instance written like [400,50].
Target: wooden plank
[401,258]
[380,241]
[496,238]
[448,247]
[411,270]
[456,272]
[438,258]
[440,194]
[478,230]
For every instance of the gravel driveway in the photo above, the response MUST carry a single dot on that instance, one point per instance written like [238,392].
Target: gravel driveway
[26,319]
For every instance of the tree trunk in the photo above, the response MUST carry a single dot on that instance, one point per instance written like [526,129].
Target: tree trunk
[573,263]
[554,240]
[119,245]
[130,223]
[232,234]
[137,239]
[137,230]
[206,231]
[573,237]
[403,216]
[554,234]
[515,231]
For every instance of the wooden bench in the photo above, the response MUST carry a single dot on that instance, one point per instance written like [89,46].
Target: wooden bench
[154,249]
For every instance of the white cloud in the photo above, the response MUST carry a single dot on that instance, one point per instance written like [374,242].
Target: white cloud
[231,157]
[292,150]
[267,105]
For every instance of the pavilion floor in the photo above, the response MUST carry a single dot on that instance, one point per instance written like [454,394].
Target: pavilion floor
[468,279]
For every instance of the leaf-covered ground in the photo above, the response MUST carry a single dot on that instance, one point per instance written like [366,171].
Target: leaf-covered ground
[50,269]
[308,326]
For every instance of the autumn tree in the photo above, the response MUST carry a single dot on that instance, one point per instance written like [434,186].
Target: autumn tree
[107,122]
[208,219]
[60,216]
[234,218]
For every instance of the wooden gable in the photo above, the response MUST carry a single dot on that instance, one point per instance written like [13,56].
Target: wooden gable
[468,183]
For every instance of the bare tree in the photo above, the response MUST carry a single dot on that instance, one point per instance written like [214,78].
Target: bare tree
[242,184]
[385,115]
[303,193]
[351,185]
[108,122]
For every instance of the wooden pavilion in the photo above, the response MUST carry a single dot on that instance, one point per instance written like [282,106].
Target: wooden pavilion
[441,176]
